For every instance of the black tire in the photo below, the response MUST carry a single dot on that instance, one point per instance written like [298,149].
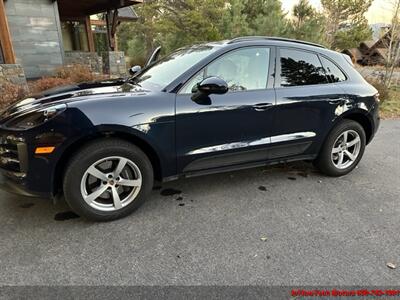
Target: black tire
[90,154]
[324,160]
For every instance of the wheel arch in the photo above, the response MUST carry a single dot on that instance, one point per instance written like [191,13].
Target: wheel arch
[358,116]
[125,135]
[363,120]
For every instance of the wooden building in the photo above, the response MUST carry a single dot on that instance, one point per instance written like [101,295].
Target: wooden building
[40,34]
[371,52]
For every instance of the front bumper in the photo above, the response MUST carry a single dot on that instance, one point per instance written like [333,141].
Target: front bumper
[14,155]
[40,174]
[18,188]
[22,171]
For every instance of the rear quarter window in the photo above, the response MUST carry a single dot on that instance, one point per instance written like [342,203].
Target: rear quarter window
[299,68]
[333,72]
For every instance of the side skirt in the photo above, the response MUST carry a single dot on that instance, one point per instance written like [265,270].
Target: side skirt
[239,167]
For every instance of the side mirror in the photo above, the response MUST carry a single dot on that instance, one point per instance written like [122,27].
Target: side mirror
[212,85]
[135,70]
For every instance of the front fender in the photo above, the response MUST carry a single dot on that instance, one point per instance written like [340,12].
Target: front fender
[160,137]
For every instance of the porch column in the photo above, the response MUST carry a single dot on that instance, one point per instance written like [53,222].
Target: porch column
[89,32]
[112,23]
[5,37]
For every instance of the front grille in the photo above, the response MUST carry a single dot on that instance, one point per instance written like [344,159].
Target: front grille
[12,154]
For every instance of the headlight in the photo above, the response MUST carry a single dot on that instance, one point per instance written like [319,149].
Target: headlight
[35,118]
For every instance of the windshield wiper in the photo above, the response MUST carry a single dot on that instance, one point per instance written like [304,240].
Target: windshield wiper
[133,80]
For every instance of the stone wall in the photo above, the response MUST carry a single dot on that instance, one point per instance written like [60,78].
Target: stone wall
[12,74]
[114,63]
[35,33]
[91,59]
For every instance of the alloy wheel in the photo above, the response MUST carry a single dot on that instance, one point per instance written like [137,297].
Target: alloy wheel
[111,183]
[346,149]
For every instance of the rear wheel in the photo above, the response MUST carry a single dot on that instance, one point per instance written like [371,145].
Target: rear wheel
[343,149]
[107,179]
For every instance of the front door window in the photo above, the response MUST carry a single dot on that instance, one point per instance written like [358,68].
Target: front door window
[244,70]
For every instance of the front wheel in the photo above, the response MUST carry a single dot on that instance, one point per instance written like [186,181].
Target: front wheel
[107,180]
[342,150]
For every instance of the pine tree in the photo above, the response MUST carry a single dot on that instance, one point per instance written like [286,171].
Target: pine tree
[347,25]
[266,17]
[234,20]
[308,24]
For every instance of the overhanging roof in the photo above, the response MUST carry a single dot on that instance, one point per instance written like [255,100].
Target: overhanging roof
[80,8]
[127,14]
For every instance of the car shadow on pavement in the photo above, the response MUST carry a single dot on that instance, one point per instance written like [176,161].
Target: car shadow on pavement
[182,192]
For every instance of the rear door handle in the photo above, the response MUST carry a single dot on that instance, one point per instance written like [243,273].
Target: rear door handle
[262,106]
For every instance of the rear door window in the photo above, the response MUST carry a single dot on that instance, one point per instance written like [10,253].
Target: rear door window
[299,68]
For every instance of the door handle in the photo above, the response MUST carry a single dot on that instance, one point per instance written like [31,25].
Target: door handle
[340,101]
[262,106]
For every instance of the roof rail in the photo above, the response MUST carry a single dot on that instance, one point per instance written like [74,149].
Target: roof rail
[272,38]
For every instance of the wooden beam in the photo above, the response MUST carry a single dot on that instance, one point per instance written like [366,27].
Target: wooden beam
[73,19]
[98,22]
[109,37]
[80,8]
[89,34]
[112,23]
[5,37]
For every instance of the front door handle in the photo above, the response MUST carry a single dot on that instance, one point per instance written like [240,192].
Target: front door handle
[262,106]
[340,101]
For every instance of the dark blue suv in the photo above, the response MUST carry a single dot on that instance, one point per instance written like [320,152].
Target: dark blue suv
[208,108]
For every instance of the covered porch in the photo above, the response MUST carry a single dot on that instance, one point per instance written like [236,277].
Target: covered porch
[42,35]
[76,21]
[88,30]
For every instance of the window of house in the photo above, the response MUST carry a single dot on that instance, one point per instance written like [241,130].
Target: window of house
[2,60]
[244,69]
[332,71]
[74,36]
[300,68]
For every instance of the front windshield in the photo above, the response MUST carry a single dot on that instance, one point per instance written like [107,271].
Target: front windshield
[171,67]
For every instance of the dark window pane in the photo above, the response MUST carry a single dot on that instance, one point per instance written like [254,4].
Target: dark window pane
[332,71]
[74,36]
[301,68]
[1,56]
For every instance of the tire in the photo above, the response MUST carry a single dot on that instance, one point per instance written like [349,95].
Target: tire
[107,198]
[334,149]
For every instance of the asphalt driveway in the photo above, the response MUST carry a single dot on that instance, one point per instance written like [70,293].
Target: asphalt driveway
[284,225]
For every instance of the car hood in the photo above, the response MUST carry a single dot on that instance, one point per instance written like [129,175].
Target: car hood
[72,93]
